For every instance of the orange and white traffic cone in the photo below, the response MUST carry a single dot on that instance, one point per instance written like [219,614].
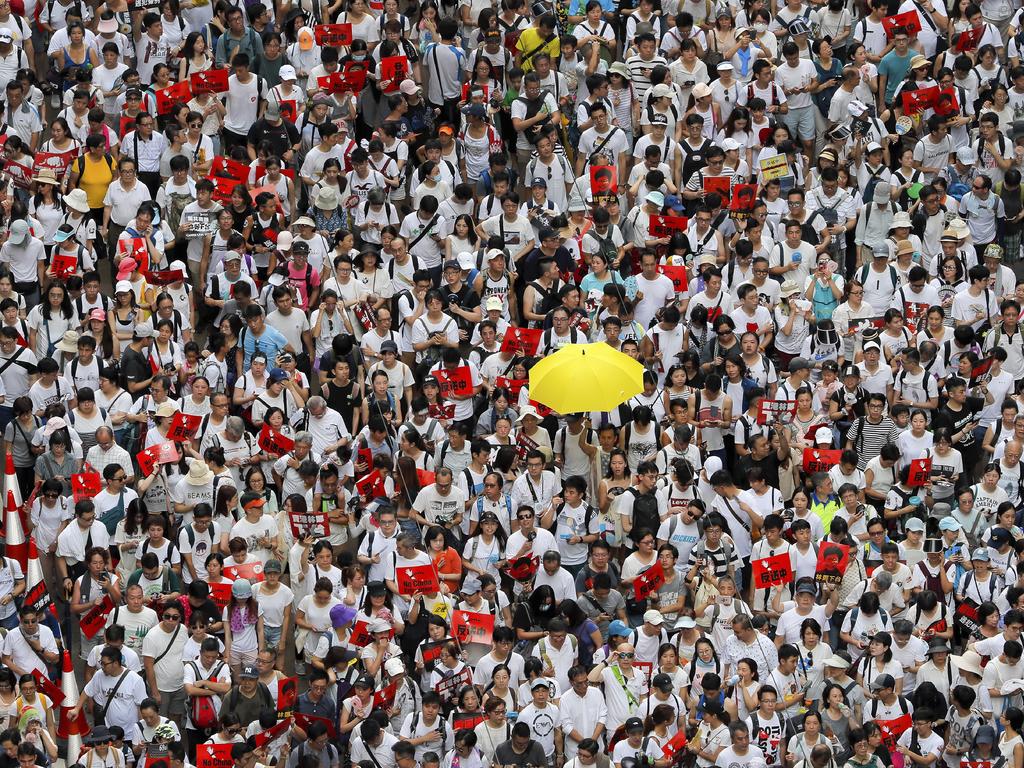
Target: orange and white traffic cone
[38,594]
[14,533]
[66,727]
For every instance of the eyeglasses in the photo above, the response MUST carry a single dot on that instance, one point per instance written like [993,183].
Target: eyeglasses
[120,479]
[171,617]
[760,271]
[856,293]
[627,655]
[524,517]
[50,495]
[794,203]
[724,332]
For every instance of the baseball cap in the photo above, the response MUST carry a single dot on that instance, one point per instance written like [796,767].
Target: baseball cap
[634,724]
[981,554]
[662,682]
[6,36]
[539,181]
[882,682]
[278,374]
[618,629]
[493,303]
[273,566]
[389,346]
[915,524]
[653,617]
[249,673]
[949,524]
[475,110]
[409,87]
[287,72]
[799,364]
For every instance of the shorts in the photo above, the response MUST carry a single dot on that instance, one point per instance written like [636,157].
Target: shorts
[800,121]
[172,704]
[241,658]
[272,636]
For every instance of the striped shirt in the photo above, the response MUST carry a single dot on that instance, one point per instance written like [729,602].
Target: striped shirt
[639,74]
[868,438]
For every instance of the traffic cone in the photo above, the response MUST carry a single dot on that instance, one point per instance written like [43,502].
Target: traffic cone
[14,533]
[11,480]
[66,728]
[75,747]
[37,595]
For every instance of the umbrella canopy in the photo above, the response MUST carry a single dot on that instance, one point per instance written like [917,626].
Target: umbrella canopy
[585,377]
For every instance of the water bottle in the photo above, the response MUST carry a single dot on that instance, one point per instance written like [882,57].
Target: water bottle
[734,679]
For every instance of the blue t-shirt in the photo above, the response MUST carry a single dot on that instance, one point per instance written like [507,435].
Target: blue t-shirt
[270,342]
[895,68]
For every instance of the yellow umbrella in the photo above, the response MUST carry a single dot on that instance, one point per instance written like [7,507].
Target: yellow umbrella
[585,377]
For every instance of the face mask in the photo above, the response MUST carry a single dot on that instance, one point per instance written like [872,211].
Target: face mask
[358,57]
[760,27]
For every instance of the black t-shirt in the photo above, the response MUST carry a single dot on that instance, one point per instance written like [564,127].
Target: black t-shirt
[283,137]
[135,367]
[466,298]
[209,610]
[505,756]
[957,420]
[769,465]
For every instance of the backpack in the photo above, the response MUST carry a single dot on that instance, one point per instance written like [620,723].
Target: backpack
[549,298]
[645,513]
[432,354]
[176,203]
[869,188]
[202,713]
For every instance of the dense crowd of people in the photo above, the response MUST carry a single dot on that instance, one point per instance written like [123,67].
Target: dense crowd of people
[273,279]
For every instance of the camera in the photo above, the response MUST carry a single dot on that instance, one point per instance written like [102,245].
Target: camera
[531,536]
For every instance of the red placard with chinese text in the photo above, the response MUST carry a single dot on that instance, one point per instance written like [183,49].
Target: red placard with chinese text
[775,411]
[92,621]
[309,523]
[771,571]
[920,472]
[648,582]
[64,265]
[184,427]
[833,560]
[165,453]
[272,441]
[57,162]
[209,81]
[818,460]
[472,627]
[167,97]
[677,275]
[909,22]
[333,35]
[454,381]
[395,69]
[666,226]
[250,571]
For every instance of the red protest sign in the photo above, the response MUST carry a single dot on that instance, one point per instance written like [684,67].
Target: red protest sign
[743,198]
[92,622]
[920,472]
[521,341]
[250,571]
[472,627]
[719,185]
[184,427]
[604,183]
[85,485]
[771,571]
[454,381]
[265,737]
[981,373]
[776,411]
[648,582]
[947,104]
[157,757]
[332,35]
[893,729]
[353,76]
[975,763]
[287,693]
[164,453]
[289,110]
[21,173]
[417,579]
[167,97]
[385,697]
[394,69]
[214,756]
[134,248]
[220,593]
[64,265]
[908,22]
[228,168]
[49,688]
[360,635]
[919,100]
[371,485]
[818,460]
[272,441]
[666,226]
[832,562]
[675,745]
[441,410]
[310,523]
[164,276]
[676,274]
[304,721]
[970,39]
[466,720]
[512,385]
[210,81]
[57,162]
[335,82]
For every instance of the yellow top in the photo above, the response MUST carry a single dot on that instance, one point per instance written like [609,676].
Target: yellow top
[530,43]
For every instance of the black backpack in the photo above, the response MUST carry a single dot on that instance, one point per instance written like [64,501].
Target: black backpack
[645,513]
